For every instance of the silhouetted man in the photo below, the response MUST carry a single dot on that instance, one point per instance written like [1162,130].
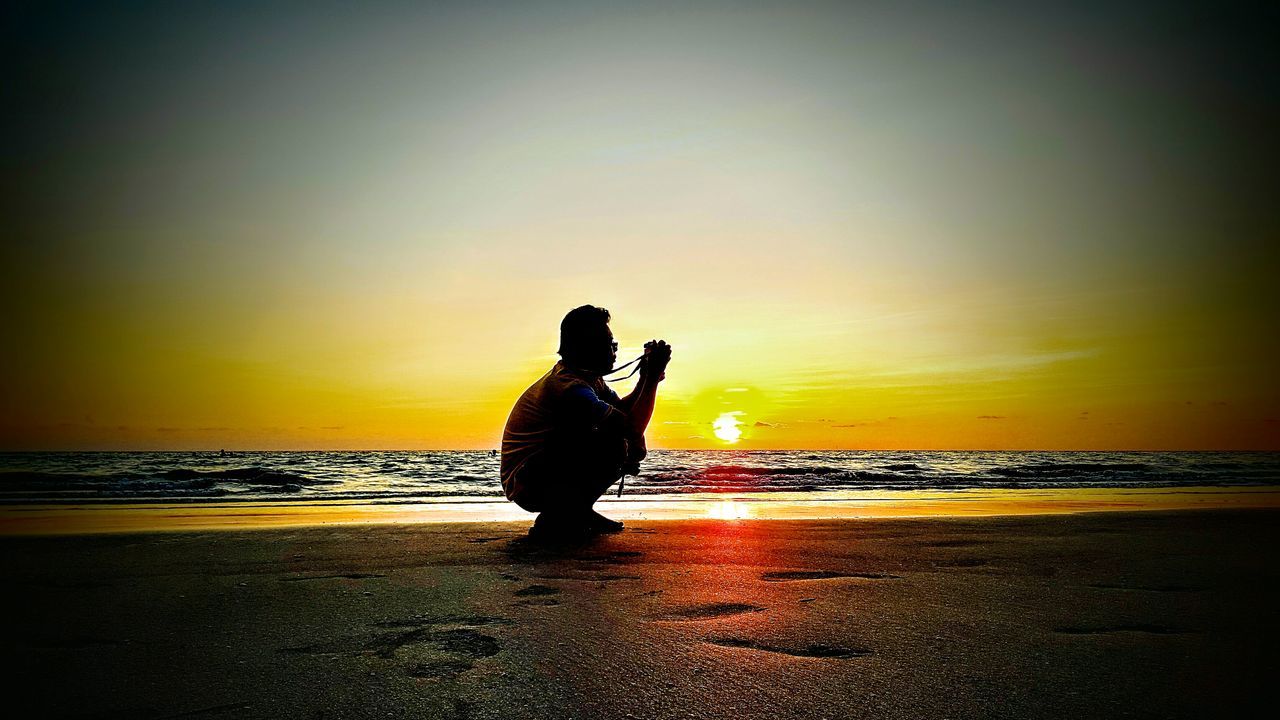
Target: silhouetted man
[570,437]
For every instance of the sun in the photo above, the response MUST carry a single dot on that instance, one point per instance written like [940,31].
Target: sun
[726,427]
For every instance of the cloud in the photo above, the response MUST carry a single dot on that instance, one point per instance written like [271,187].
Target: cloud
[993,417]
[852,425]
[761,423]
[332,427]
[736,390]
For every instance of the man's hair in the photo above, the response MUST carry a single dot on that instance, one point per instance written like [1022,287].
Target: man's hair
[582,327]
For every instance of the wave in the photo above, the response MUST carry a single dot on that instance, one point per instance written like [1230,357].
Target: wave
[174,482]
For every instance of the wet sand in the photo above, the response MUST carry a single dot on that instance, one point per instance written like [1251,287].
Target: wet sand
[1152,614]
[70,518]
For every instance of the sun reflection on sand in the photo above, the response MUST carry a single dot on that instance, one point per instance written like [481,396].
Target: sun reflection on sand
[74,519]
[729,510]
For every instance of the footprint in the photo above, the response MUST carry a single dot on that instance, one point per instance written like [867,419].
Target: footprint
[533,590]
[462,646]
[816,650]
[707,612]
[467,642]
[385,645]
[790,575]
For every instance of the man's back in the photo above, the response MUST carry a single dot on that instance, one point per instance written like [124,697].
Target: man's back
[561,401]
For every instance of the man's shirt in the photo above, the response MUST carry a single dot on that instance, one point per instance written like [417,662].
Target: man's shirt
[562,402]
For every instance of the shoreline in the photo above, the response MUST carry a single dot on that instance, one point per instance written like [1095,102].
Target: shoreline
[88,519]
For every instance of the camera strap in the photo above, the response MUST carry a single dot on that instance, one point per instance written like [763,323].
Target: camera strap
[620,368]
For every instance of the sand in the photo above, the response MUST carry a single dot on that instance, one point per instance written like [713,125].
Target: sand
[1152,614]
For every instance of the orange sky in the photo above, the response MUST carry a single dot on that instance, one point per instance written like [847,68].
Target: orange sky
[857,229]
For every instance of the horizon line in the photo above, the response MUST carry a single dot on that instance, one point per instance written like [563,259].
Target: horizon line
[726,449]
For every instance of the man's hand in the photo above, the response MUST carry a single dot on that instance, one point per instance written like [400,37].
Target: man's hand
[657,353]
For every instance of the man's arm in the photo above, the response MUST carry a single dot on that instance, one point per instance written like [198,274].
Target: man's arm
[638,405]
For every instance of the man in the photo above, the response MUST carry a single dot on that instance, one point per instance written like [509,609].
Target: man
[570,437]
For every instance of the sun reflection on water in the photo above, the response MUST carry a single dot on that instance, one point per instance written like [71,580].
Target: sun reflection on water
[729,510]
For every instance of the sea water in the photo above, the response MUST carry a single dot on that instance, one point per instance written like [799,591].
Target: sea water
[448,476]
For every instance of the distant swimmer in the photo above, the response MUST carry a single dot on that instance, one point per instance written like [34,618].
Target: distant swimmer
[570,437]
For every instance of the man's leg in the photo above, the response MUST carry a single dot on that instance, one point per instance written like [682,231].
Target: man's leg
[575,473]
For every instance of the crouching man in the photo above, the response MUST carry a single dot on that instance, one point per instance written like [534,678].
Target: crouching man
[570,437]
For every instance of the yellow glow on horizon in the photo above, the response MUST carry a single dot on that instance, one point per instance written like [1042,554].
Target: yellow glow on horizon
[726,427]
[332,264]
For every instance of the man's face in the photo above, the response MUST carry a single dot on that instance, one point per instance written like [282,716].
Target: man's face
[603,353]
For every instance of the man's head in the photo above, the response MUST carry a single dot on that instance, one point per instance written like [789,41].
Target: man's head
[585,340]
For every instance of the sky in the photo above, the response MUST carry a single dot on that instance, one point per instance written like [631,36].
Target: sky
[906,225]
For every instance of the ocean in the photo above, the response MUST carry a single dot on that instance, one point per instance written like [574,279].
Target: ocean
[451,476]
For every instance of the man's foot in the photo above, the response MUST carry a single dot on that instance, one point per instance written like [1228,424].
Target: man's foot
[559,527]
[562,526]
[601,524]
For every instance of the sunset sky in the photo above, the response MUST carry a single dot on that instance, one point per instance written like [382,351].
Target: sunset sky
[862,225]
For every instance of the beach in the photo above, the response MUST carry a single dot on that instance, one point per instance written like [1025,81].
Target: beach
[1109,614]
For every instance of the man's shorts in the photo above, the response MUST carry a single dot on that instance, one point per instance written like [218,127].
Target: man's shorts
[572,472]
